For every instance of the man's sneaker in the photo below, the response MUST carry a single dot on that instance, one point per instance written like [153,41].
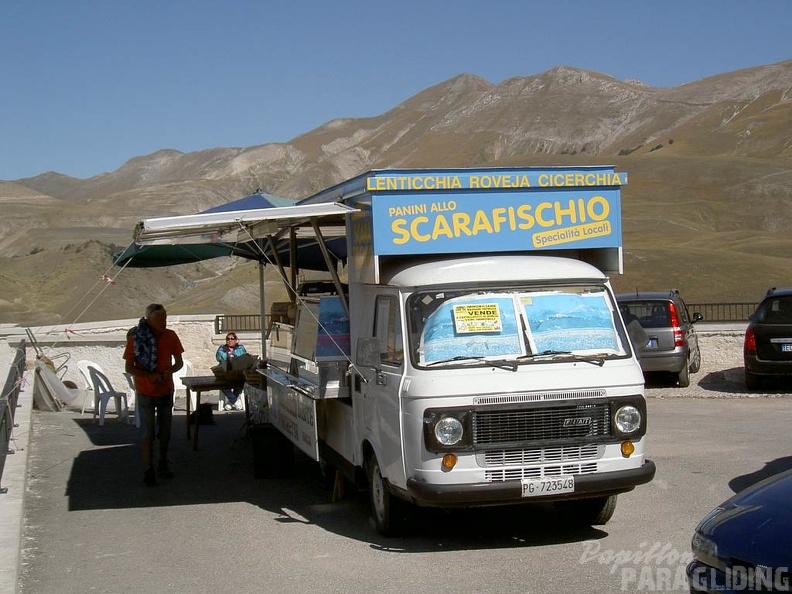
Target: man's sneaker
[163,471]
[149,478]
[228,407]
[237,405]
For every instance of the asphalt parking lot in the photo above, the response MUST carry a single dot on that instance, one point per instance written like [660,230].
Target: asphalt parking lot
[90,525]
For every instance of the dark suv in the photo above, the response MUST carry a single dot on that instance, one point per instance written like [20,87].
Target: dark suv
[671,341]
[767,350]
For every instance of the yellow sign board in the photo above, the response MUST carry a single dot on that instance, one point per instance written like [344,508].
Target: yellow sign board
[480,317]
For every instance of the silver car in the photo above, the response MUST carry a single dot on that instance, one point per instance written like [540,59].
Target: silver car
[671,341]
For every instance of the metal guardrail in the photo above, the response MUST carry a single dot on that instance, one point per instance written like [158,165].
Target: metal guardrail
[239,323]
[8,405]
[712,312]
[724,312]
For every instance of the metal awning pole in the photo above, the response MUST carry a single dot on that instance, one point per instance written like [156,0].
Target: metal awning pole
[292,291]
[330,264]
[263,311]
[293,259]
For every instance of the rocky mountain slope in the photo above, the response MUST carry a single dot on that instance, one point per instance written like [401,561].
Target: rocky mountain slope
[707,210]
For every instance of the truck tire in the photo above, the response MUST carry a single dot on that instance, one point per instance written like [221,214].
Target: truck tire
[596,511]
[327,473]
[390,515]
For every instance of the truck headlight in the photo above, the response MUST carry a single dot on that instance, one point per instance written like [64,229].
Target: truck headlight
[627,419]
[448,431]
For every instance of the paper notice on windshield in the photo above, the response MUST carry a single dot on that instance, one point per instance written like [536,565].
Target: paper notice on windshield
[479,317]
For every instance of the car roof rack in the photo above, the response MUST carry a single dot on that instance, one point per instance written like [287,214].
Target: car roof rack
[771,290]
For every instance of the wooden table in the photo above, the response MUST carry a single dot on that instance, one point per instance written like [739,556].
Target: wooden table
[199,384]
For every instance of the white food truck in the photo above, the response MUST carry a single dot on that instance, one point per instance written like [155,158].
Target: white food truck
[475,355]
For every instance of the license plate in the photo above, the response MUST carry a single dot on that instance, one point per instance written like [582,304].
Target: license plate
[548,486]
[652,343]
[786,348]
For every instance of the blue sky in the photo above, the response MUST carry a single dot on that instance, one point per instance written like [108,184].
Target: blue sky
[86,85]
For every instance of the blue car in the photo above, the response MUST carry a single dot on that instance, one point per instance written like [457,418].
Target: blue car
[745,544]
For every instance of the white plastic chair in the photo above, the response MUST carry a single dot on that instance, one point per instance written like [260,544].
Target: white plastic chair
[133,397]
[82,366]
[103,392]
[221,401]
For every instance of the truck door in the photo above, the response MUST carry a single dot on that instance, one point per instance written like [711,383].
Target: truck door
[380,392]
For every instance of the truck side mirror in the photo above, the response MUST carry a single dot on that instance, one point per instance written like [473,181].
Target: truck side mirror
[368,353]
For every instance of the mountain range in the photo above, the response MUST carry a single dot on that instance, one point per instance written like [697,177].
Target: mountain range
[708,208]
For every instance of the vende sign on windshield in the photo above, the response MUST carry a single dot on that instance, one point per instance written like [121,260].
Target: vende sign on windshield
[480,317]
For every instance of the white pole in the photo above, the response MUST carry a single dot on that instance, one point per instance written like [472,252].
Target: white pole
[263,311]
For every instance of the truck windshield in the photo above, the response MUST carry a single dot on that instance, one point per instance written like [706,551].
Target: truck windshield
[484,327]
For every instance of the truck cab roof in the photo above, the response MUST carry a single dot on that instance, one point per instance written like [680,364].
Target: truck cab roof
[501,268]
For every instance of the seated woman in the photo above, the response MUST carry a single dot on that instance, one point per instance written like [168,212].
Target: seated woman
[225,353]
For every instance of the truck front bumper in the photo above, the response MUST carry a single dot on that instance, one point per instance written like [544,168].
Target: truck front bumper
[510,492]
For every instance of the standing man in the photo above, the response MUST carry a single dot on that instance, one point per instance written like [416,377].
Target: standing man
[152,354]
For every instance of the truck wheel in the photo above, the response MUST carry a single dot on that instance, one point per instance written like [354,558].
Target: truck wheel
[589,512]
[390,514]
[684,376]
[327,473]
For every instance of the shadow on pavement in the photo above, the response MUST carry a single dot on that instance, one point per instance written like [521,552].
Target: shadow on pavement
[732,381]
[729,381]
[742,482]
[108,476]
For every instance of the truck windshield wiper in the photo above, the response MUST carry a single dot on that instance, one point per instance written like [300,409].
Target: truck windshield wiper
[547,353]
[502,364]
[594,360]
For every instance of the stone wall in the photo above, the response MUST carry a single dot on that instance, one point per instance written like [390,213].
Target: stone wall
[103,343]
